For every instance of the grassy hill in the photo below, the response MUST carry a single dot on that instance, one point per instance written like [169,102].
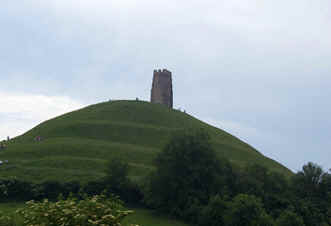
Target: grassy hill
[76,146]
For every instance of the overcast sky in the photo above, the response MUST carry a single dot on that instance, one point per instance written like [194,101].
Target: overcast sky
[260,70]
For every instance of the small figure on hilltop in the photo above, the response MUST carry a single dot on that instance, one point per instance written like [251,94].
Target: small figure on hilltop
[37,138]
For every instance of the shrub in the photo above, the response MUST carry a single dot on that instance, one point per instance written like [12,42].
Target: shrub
[289,218]
[96,210]
[49,189]
[117,181]
[117,174]
[13,189]
[94,187]
[213,213]
[187,169]
[247,210]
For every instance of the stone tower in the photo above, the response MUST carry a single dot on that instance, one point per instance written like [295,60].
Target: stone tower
[162,88]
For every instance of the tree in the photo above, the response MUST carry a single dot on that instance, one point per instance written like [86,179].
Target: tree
[325,186]
[247,210]
[213,213]
[187,169]
[117,181]
[311,195]
[307,181]
[117,174]
[289,218]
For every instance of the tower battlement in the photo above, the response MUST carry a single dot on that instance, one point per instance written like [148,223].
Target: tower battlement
[162,72]
[162,92]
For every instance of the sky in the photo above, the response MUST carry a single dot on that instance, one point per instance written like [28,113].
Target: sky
[260,70]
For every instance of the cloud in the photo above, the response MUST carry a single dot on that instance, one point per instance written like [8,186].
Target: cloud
[21,112]
[259,69]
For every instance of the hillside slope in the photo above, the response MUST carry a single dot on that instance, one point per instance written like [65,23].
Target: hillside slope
[76,146]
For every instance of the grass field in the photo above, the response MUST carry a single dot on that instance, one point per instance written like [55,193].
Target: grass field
[146,217]
[142,217]
[77,145]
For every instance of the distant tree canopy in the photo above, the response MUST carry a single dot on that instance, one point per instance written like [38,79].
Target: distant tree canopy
[118,182]
[117,173]
[187,169]
[247,210]
[309,180]
[289,218]
[190,181]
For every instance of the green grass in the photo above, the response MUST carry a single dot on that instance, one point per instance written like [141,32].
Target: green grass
[77,145]
[11,207]
[144,217]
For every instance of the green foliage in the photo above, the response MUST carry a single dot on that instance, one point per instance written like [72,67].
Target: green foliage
[140,216]
[96,210]
[187,169]
[258,180]
[16,190]
[118,182]
[289,218]
[50,189]
[213,213]
[271,187]
[192,182]
[117,173]
[265,195]
[312,199]
[307,181]
[247,210]
[311,211]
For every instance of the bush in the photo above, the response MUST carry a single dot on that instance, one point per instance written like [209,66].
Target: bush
[289,218]
[15,190]
[71,187]
[48,189]
[117,181]
[96,210]
[247,210]
[213,213]
[117,174]
[187,169]
[94,187]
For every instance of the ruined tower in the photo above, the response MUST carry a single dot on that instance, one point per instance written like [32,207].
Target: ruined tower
[162,88]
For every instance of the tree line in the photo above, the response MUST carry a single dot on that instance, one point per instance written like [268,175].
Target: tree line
[194,184]
[191,182]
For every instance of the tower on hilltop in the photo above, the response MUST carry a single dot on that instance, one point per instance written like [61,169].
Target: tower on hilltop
[162,88]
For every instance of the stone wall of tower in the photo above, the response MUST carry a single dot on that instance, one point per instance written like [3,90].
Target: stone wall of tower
[162,88]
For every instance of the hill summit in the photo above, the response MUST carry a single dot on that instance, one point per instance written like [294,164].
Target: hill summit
[76,145]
